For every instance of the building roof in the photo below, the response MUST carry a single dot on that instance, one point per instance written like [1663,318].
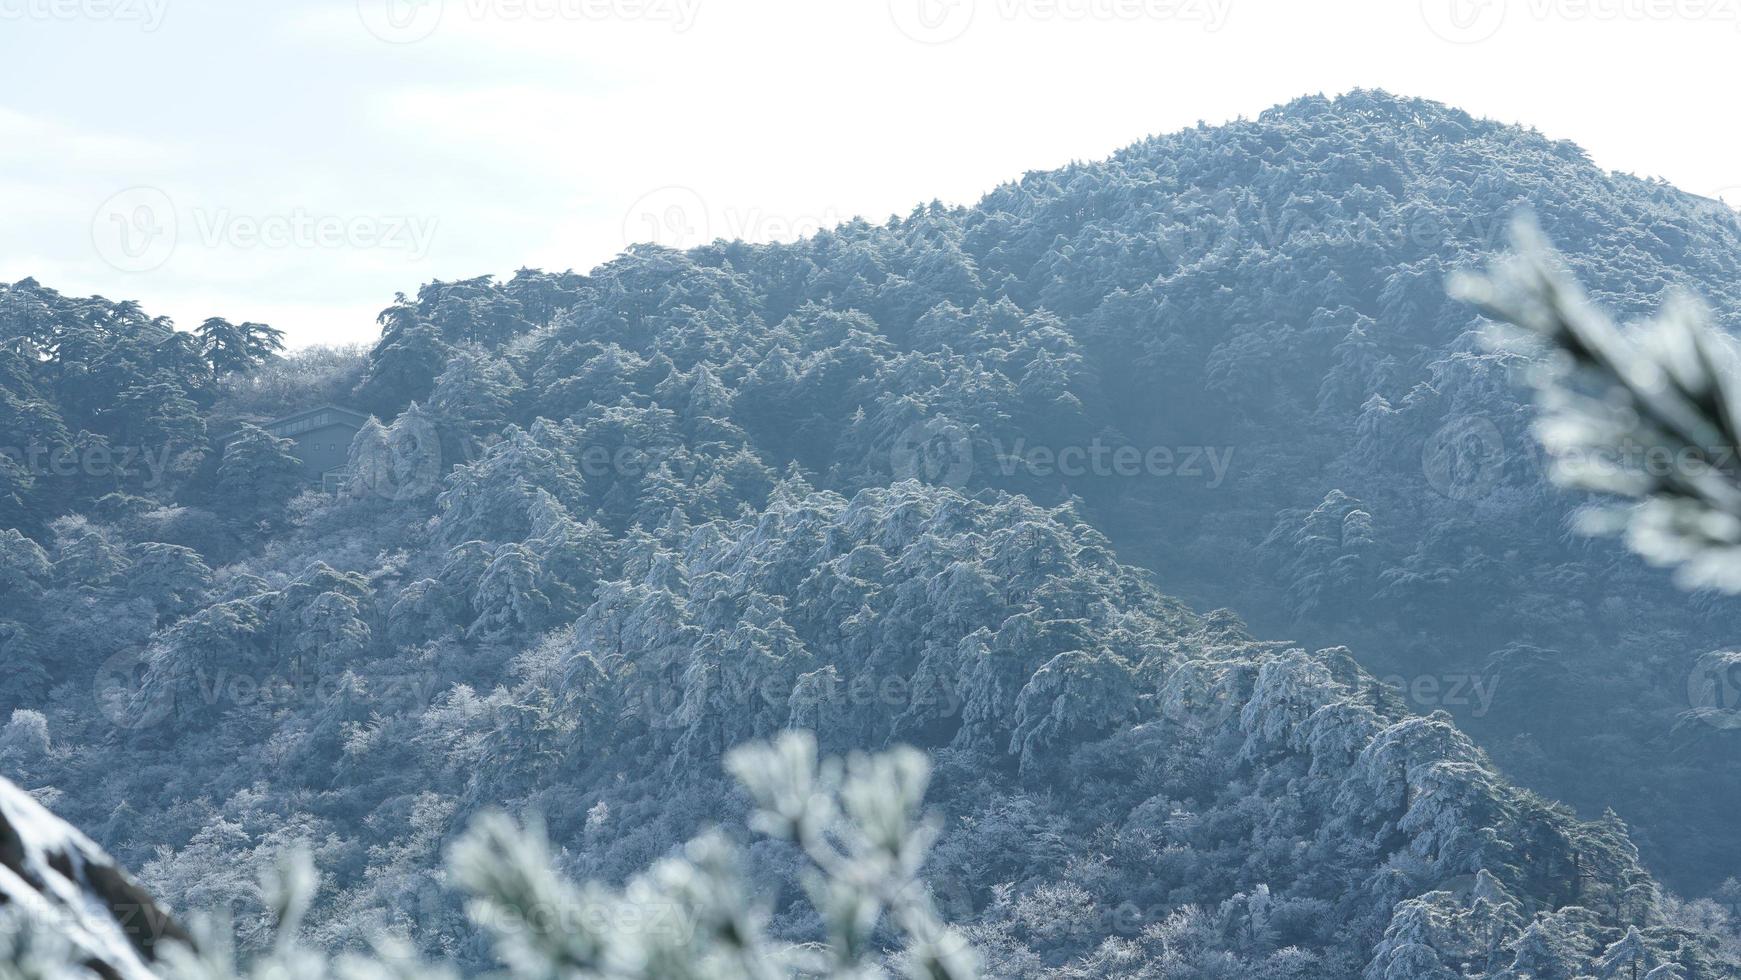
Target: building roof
[346,416]
[353,415]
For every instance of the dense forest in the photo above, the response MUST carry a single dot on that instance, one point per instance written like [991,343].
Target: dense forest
[1169,503]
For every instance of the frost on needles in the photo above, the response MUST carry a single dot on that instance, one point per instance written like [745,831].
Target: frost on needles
[1649,412]
[690,916]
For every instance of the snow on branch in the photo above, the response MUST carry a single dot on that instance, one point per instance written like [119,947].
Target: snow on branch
[1648,412]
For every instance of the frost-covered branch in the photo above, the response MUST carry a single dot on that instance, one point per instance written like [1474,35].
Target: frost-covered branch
[1649,412]
[689,917]
[865,837]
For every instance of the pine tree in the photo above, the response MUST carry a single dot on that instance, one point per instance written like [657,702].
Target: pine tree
[238,348]
[258,474]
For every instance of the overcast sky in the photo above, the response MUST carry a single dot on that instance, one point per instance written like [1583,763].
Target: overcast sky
[298,162]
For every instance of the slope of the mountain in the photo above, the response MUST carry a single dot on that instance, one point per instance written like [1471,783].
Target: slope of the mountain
[612,524]
[68,889]
[1128,789]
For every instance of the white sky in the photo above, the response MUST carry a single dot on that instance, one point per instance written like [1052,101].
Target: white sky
[279,160]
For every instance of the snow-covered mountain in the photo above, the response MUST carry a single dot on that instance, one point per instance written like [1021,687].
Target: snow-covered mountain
[66,889]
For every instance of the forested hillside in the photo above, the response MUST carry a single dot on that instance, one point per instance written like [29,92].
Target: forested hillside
[932,482]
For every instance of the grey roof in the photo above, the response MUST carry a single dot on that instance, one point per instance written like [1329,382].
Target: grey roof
[350,415]
[360,417]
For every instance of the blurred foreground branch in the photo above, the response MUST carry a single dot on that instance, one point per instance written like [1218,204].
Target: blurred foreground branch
[1648,412]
